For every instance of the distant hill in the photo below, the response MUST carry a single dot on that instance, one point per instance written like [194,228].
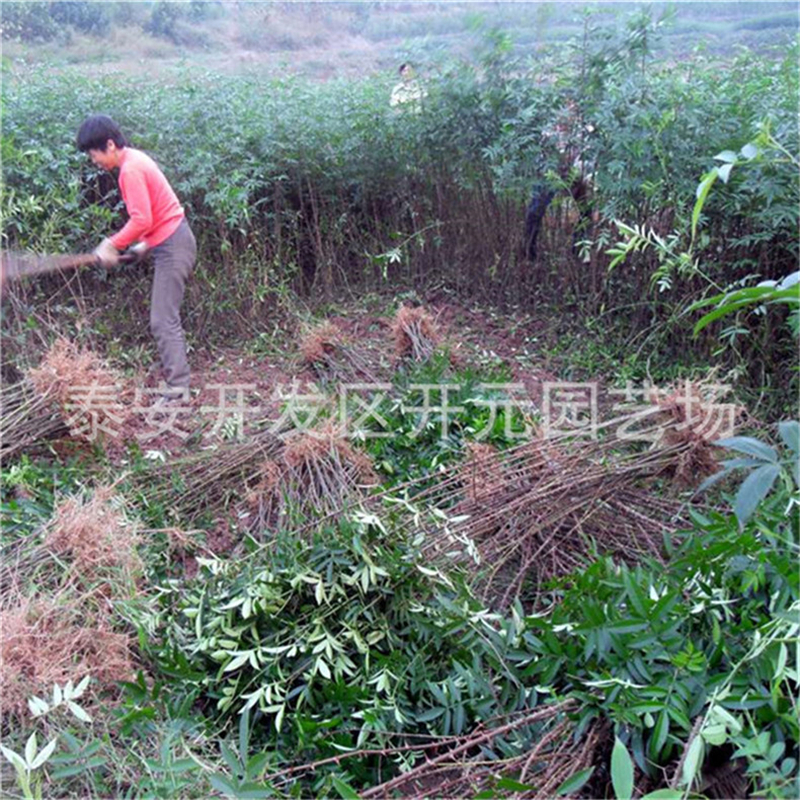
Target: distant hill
[323,40]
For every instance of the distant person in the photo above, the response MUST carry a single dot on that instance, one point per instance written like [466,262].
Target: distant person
[409,93]
[156,223]
[568,136]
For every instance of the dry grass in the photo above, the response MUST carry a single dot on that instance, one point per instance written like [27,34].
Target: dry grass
[415,333]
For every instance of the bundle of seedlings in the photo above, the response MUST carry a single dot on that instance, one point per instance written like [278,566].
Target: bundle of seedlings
[58,598]
[690,418]
[537,511]
[205,482]
[317,473]
[325,350]
[554,757]
[54,639]
[72,385]
[415,333]
[26,417]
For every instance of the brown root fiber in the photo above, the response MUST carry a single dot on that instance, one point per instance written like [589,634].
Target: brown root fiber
[94,534]
[86,391]
[54,640]
[319,344]
[692,418]
[326,350]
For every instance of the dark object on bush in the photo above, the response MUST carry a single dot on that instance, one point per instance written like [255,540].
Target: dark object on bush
[541,197]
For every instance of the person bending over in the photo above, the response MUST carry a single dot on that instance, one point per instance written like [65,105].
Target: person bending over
[156,224]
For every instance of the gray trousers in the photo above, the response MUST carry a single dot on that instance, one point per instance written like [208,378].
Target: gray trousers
[174,260]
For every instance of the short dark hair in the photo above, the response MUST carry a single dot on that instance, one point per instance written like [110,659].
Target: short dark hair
[403,66]
[96,131]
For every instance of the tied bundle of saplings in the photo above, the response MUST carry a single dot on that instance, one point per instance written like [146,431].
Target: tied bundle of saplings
[317,473]
[59,594]
[72,390]
[326,350]
[527,514]
[415,333]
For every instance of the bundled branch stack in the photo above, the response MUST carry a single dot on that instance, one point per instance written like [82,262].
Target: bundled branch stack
[26,417]
[460,768]
[71,390]
[325,350]
[537,511]
[415,333]
[316,474]
[205,482]
[57,601]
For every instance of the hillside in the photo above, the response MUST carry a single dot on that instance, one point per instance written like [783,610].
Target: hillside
[323,40]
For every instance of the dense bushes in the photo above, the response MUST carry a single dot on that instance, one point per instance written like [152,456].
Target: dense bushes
[307,186]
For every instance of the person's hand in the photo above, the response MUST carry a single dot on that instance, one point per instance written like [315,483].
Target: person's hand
[138,251]
[107,254]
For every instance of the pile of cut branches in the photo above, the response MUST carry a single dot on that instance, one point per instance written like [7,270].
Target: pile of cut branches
[415,333]
[460,767]
[325,350]
[525,515]
[317,473]
[71,390]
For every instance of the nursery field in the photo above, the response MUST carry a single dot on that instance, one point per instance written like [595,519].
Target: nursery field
[487,481]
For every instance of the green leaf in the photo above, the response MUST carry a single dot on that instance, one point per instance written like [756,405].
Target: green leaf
[703,188]
[430,714]
[223,785]
[790,433]
[46,752]
[253,791]
[659,736]
[621,771]
[14,758]
[183,765]
[514,786]
[749,151]
[344,789]
[749,446]
[575,782]
[67,772]
[753,490]
[724,172]
[30,749]
[239,661]
[694,758]
[81,687]
[664,794]
[78,711]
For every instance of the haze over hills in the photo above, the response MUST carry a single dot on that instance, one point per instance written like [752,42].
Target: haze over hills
[323,40]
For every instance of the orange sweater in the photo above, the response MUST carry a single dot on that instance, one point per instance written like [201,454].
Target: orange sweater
[153,207]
